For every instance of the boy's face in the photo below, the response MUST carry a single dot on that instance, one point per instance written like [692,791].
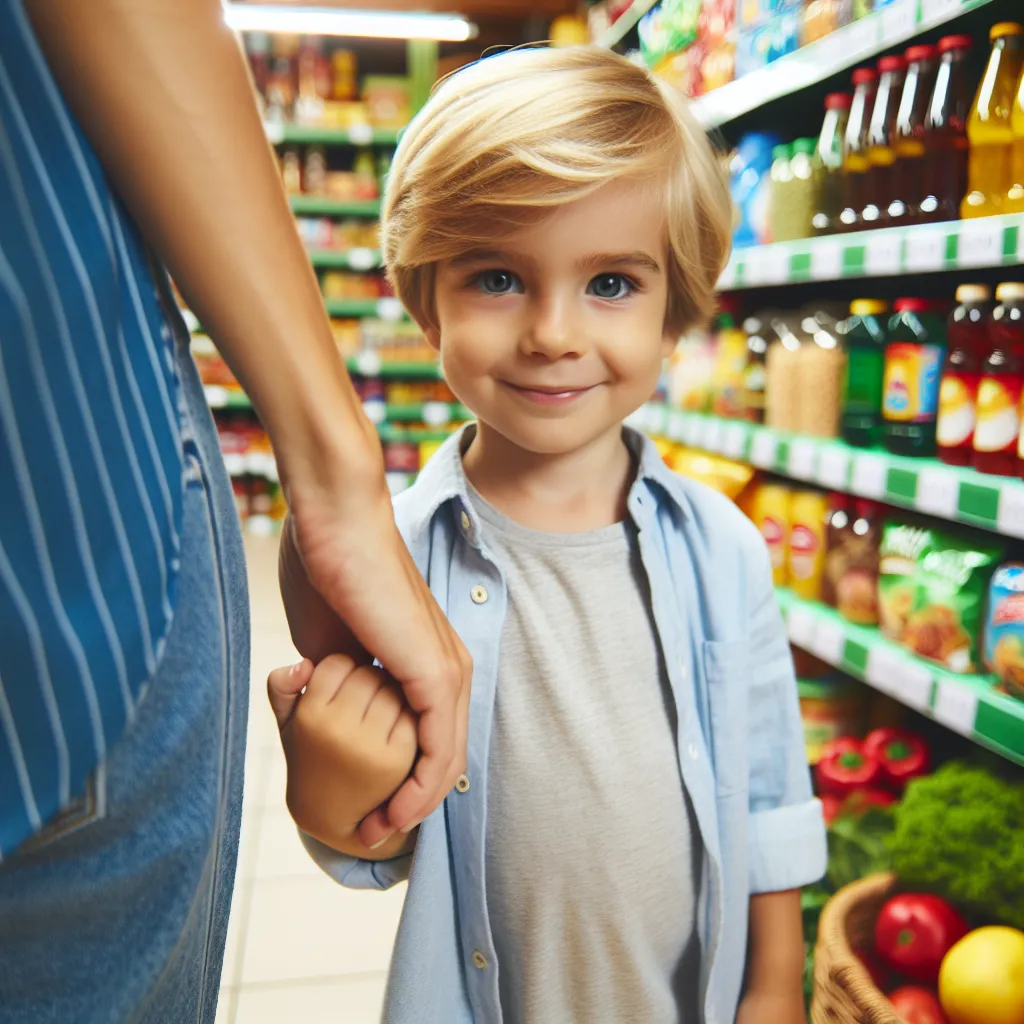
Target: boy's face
[557,334]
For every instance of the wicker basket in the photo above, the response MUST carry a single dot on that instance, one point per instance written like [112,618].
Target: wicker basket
[843,990]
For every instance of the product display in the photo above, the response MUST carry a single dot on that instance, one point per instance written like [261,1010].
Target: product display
[1004,632]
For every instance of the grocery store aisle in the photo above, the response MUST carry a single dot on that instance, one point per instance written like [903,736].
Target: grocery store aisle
[301,950]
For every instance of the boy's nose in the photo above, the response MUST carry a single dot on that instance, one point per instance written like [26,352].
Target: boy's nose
[553,331]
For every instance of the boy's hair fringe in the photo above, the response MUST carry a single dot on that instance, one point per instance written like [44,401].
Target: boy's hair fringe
[503,141]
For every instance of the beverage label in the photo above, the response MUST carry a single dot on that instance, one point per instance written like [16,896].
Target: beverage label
[998,426]
[803,550]
[864,373]
[958,396]
[911,389]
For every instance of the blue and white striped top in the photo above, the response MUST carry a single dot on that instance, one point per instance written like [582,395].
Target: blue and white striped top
[90,452]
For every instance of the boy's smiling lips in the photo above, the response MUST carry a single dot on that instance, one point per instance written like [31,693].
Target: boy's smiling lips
[548,395]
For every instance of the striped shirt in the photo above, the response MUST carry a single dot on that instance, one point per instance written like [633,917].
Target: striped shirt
[90,452]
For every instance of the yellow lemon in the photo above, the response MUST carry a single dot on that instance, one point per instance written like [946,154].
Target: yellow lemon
[982,978]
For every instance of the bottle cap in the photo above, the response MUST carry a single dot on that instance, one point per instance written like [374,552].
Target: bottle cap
[1010,291]
[889,64]
[838,101]
[868,307]
[1001,29]
[863,75]
[947,43]
[914,305]
[781,152]
[973,293]
[807,146]
[919,53]
[865,508]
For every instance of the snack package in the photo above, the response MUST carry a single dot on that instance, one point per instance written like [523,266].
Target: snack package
[899,553]
[723,475]
[667,29]
[1004,632]
[808,511]
[770,512]
[851,563]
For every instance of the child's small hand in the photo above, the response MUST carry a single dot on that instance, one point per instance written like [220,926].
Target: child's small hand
[772,1007]
[350,742]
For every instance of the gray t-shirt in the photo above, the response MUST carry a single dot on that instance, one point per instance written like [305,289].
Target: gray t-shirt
[592,852]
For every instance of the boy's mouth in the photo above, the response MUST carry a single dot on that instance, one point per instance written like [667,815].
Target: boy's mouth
[540,394]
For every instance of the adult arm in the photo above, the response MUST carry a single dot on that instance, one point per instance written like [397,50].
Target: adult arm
[161,88]
[774,993]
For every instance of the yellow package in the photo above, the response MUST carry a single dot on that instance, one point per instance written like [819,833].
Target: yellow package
[770,511]
[808,512]
[723,475]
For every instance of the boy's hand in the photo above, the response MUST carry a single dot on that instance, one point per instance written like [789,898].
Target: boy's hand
[772,1007]
[350,742]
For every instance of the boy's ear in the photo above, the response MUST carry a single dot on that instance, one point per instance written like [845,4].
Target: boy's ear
[433,336]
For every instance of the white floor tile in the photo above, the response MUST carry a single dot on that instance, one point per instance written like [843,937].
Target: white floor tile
[225,1007]
[356,1000]
[279,852]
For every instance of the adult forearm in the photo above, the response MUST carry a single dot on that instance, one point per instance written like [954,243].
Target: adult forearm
[776,959]
[162,89]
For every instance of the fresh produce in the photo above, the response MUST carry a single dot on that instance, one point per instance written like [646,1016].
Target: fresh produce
[914,931]
[917,1005]
[982,978]
[854,805]
[903,755]
[960,832]
[842,772]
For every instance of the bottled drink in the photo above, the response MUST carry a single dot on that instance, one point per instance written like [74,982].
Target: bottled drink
[863,336]
[989,165]
[828,164]
[855,144]
[908,136]
[1015,195]
[755,371]
[914,353]
[945,133]
[997,433]
[802,190]
[780,178]
[880,184]
[967,333]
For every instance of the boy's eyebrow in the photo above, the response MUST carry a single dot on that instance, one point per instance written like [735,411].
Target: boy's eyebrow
[496,256]
[639,259]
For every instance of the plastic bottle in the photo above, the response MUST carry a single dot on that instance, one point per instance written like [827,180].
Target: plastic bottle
[908,135]
[967,333]
[881,185]
[828,163]
[945,133]
[755,372]
[855,157]
[863,336]
[802,189]
[997,433]
[989,165]
[781,178]
[914,353]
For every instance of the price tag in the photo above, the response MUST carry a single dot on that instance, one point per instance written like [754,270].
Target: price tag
[764,449]
[360,134]
[776,264]
[389,309]
[898,21]
[914,686]
[882,256]
[1020,240]
[938,492]
[376,412]
[657,419]
[368,364]
[756,267]
[801,458]
[713,436]
[676,427]
[956,706]
[1010,514]
[734,440]
[275,132]
[436,414]
[829,643]
[216,396]
[883,669]
[691,431]
[361,258]
[728,278]
[926,250]
[981,243]
[234,463]
[870,476]
[826,261]
[834,468]
[801,625]
[934,12]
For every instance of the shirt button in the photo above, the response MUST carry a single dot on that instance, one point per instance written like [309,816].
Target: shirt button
[479,594]
[464,519]
[683,670]
[693,752]
[479,960]
[462,783]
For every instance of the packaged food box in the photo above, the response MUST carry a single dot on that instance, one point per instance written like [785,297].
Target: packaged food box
[1004,633]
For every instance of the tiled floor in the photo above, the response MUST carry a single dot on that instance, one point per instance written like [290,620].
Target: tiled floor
[301,950]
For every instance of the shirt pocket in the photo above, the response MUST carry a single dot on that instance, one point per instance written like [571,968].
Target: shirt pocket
[726,669]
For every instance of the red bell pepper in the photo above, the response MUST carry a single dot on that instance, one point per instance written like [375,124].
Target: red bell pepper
[842,745]
[843,772]
[914,931]
[917,1005]
[903,755]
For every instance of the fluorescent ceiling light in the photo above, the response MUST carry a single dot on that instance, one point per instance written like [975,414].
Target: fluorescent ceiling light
[328,21]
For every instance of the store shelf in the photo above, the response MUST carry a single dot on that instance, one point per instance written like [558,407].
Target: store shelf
[358,135]
[947,492]
[842,49]
[433,414]
[320,206]
[370,364]
[384,309]
[970,705]
[251,464]
[886,252]
[625,22]
[346,259]
[226,398]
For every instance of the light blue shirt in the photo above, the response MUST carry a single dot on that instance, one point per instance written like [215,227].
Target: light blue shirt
[740,742]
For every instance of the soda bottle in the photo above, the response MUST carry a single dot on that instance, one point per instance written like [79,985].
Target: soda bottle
[945,133]
[989,164]
[914,353]
[967,332]
[863,337]
[997,432]
[880,186]
[855,148]
[908,136]
[828,164]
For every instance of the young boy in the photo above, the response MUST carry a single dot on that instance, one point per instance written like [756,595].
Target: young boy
[635,821]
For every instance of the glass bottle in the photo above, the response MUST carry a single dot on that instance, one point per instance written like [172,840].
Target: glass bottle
[803,200]
[855,158]
[780,179]
[828,163]
[880,184]
[1015,195]
[908,135]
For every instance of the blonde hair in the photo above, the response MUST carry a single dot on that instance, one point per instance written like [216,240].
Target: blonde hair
[502,142]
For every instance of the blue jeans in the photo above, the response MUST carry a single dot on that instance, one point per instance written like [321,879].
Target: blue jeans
[123,915]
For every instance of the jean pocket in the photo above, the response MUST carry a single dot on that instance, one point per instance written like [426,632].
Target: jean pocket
[726,669]
[194,473]
[86,809]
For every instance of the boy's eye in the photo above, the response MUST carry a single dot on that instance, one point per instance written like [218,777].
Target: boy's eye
[610,286]
[498,282]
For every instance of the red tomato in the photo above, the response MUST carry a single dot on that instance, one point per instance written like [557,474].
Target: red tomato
[917,1005]
[914,931]
[830,807]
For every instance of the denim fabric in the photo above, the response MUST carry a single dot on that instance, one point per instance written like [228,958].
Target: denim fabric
[739,742]
[124,916]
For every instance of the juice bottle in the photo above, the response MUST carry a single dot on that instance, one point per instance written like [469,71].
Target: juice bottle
[1015,195]
[803,200]
[967,332]
[755,372]
[914,352]
[989,165]
[997,433]
[945,133]
[863,335]
[780,178]
[908,135]
[881,185]
[828,163]
[855,145]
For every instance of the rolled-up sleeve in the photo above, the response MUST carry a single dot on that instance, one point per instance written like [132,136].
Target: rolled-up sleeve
[786,829]
[354,873]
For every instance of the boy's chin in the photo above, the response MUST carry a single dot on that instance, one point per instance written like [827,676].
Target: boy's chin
[552,437]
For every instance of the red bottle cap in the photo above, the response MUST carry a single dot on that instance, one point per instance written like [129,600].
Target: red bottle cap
[865,508]
[947,43]
[838,101]
[887,64]
[919,53]
[915,305]
[862,75]
[838,500]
